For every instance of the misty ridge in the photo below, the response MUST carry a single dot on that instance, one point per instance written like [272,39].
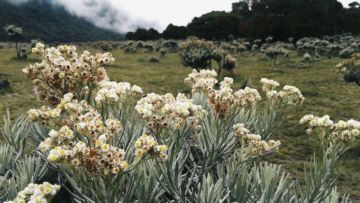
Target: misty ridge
[105,14]
[41,19]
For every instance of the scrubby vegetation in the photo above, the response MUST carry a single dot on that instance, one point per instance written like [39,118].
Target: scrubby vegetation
[233,107]
[94,135]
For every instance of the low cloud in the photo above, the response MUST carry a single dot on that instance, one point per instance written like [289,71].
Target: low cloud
[105,14]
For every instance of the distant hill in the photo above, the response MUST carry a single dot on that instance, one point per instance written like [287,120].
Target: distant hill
[41,20]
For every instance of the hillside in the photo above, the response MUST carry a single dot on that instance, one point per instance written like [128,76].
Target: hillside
[41,20]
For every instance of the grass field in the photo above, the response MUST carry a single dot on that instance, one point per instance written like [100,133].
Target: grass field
[323,88]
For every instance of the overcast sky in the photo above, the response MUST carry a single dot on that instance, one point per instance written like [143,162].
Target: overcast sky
[127,15]
[179,12]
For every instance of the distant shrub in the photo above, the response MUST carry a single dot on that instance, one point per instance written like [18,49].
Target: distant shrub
[346,53]
[162,52]
[15,34]
[196,53]
[104,45]
[224,61]
[351,69]
[130,50]
[273,52]
[306,57]
[170,45]
[154,59]
[229,63]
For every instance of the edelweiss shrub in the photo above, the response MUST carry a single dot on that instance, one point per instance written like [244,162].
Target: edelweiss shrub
[15,34]
[36,193]
[199,54]
[12,30]
[229,63]
[83,135]
[224,60]
[273,52]
[351,69]
[196,53]
[106,143]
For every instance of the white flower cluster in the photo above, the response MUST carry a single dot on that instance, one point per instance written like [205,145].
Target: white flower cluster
[240,130]
[254,142]
[201,81]
[289,95]
[224,99]
[63,147]
[110,92]
[315,121]
[79,116]
[38,49]
[227,82]
[63,70]
[77,120]
[62,137]
[147,144]
[247,97]
[163,111]
[344,131]
[36,193]
[268,85]
[349,64]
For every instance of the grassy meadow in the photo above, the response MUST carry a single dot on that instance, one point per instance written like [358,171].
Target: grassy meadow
[323,87]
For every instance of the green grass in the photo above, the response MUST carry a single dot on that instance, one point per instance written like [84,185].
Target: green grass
[323,88]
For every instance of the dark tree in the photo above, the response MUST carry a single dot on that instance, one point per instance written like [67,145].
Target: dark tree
[153,34]
[242,10]
[214,25]
[130,36]
[354,4]
[293,18]
[175,32]
[143,34]
[349,20]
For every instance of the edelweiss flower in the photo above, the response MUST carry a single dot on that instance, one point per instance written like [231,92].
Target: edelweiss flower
[110,92]
[343,131]
[36,193]
[256,145]
[224,100]
[147,144]
[201,81]
[162,111]
[268,85]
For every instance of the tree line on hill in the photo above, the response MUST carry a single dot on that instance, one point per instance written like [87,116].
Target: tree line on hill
[262,18]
